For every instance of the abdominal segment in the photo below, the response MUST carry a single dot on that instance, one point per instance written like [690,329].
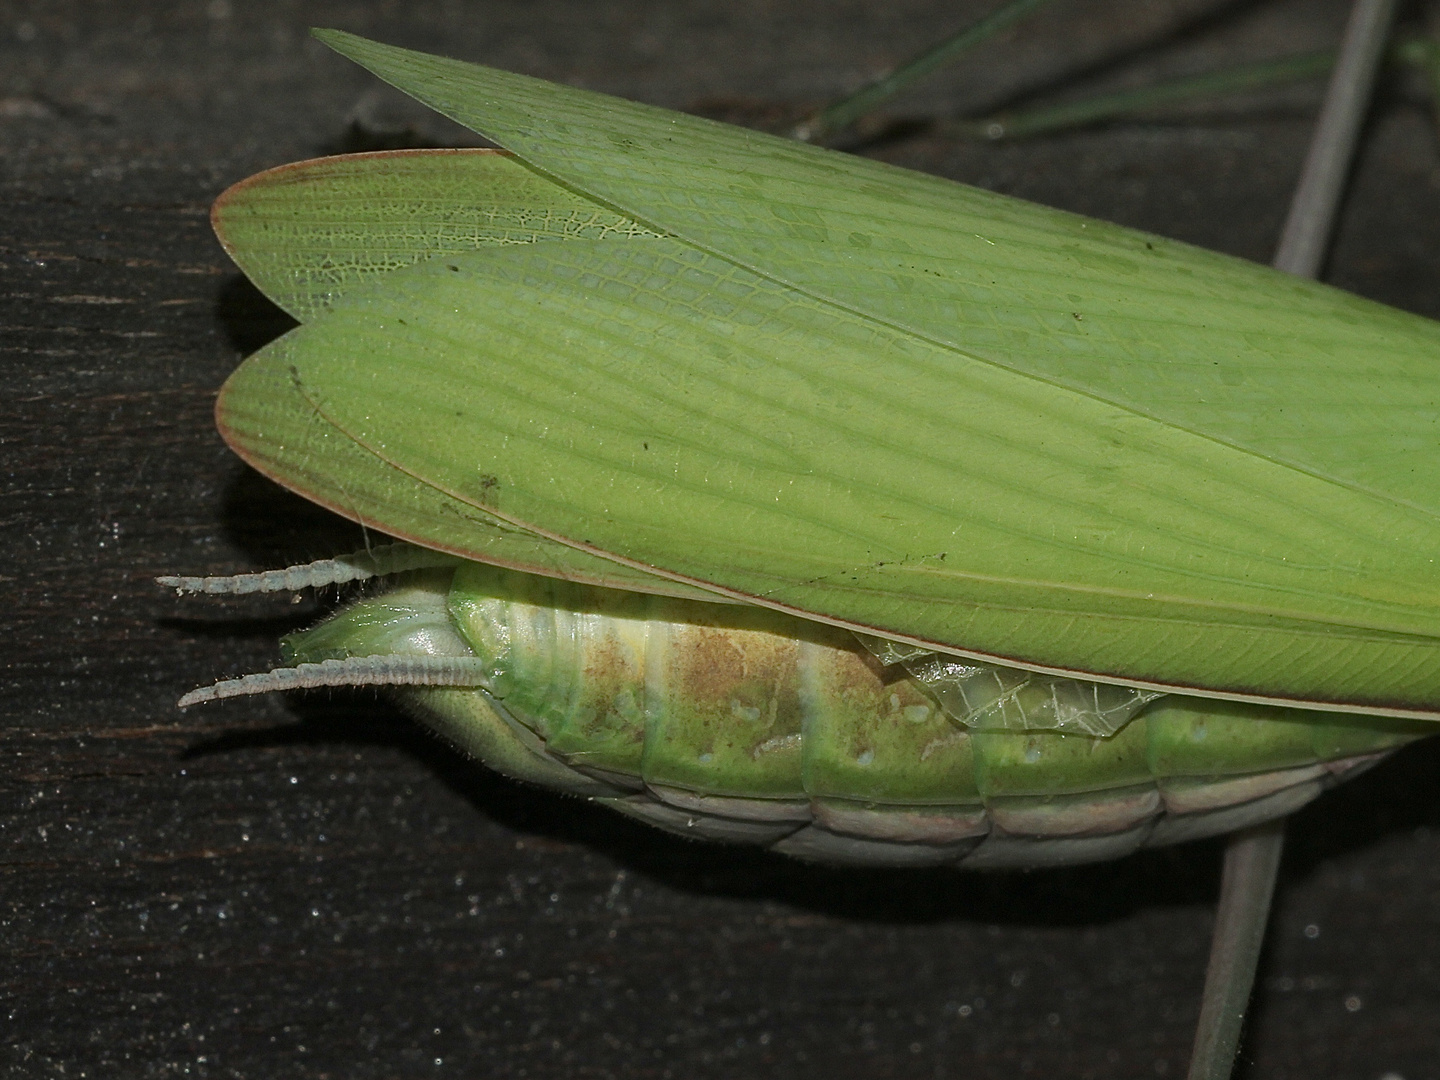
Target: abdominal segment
[745,725]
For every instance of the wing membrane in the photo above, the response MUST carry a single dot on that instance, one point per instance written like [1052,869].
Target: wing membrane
[265,415]
[650,401]
[1325,382]
[308,232]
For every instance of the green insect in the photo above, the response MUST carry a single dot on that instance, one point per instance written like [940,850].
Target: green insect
[774,496]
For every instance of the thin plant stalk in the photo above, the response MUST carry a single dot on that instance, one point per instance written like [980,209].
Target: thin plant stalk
[841,114]
[1091,110]
[1308,227]
[1247,884]
[1252,857]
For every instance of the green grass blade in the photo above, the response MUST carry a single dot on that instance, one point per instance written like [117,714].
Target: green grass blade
[1091,110]
[847,110]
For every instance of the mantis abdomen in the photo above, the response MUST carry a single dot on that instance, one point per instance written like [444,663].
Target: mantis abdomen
[746,725]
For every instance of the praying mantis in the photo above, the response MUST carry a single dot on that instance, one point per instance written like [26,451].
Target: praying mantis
[1410,707]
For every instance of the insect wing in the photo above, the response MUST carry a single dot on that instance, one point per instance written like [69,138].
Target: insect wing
[1212,476]
[1319,380]
[270,417]
[308,232]
[645,399]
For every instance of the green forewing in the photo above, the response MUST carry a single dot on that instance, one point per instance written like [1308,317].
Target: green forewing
[268,418]
[644,398]
[306,233]
[1281,367]
[899,403]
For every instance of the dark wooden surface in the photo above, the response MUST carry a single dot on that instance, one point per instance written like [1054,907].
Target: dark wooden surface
[315,888]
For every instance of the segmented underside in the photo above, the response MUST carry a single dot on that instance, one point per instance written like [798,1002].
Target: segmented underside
[741,724]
